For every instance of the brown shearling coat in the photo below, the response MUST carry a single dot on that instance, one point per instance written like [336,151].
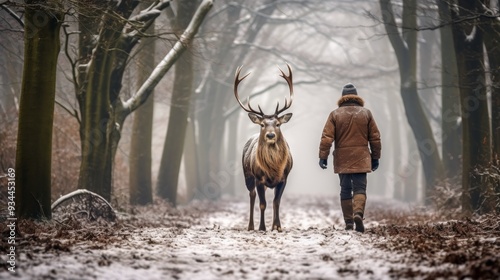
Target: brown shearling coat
[356,137]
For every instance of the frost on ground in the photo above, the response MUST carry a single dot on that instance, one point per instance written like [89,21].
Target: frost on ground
[209,240]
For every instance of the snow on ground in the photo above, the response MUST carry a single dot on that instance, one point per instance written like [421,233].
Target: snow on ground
[210,241]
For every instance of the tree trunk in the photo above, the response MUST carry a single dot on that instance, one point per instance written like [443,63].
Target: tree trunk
[140,185]
[89,16]
[495,110]
[412,171]
[168,176]
[492,28]
[36,111]
[190,161]
[476,129]
[450,110]
[405,46]
[140,155]
[491,185]
[232,154]
[100,130]
[96,166]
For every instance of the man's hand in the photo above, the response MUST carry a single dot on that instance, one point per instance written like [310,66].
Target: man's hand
[323,163]
[375,163]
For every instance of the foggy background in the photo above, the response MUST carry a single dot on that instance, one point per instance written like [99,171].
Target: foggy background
[352,48]
[327,44]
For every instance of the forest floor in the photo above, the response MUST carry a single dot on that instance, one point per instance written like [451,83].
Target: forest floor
[209,240]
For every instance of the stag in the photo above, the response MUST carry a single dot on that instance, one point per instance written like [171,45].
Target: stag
[266,156]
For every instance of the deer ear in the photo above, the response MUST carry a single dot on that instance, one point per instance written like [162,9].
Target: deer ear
[285,118]
[255,118]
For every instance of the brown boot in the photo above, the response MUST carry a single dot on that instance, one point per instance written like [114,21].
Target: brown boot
[347,212]
[359,201]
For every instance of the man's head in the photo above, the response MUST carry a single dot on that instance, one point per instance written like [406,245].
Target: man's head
[349,89]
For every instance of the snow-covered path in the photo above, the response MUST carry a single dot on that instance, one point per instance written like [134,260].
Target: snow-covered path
[313,245]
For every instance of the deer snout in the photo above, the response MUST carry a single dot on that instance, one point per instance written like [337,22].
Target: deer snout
[270,135]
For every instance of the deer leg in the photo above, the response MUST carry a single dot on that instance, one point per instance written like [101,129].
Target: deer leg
[261,190]
[252,203]
[278,192]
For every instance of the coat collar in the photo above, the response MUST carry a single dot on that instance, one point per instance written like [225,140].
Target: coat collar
[351,100]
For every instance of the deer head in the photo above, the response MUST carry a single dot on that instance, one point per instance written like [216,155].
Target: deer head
[270,124]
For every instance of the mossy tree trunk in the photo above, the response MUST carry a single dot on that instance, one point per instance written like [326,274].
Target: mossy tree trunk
[100,130]
[36,109]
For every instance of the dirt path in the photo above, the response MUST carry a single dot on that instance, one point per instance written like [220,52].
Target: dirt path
[208,241]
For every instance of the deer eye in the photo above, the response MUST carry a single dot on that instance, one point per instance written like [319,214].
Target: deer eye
[278,124]
[261,125]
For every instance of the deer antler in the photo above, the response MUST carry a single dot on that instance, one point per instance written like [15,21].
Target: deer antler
[288,102]
[247,108]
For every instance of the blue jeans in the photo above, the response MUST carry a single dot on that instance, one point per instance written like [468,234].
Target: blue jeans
[350,184]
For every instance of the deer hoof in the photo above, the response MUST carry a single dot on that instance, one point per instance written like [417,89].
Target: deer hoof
[278,228]
[250,227]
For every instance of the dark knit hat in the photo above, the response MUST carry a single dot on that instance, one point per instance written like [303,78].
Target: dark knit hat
[349,89]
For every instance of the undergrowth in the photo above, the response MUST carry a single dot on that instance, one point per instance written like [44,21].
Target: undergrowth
[66,158]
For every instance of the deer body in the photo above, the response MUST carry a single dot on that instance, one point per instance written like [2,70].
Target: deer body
[267,163]
[266,166]
[267,160]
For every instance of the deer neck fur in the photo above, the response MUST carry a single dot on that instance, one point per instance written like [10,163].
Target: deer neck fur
[272,159]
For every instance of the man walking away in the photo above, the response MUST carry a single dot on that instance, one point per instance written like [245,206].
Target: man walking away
[357,152]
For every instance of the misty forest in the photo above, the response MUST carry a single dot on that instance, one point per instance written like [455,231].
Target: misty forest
[127,147]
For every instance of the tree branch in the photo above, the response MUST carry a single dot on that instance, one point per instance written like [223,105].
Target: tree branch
[391,27]
[168,61]
[476,16]
[73,114]
[70,59]
[146,17]
[13,14]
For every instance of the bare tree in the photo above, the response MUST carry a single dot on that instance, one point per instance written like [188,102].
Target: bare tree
[102,108]
[404,43]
